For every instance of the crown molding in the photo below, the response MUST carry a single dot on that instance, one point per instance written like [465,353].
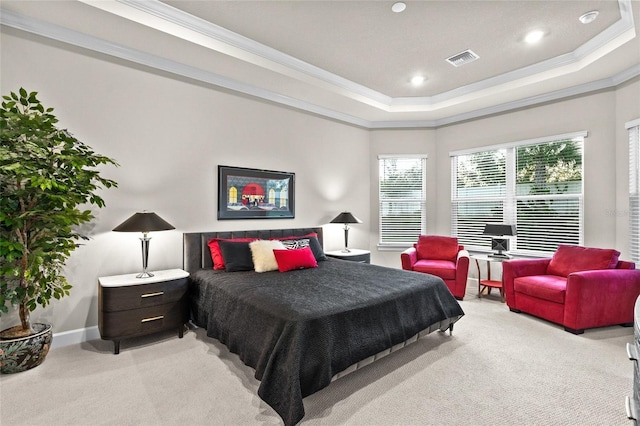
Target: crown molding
[163,17]
[207,34]
[85,41]
[602,84]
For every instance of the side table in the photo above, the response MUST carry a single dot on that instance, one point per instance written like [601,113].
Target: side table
[354,255]
[130,306]
[488,284]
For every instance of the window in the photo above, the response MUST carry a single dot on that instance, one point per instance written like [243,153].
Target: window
[536,185]
[402,195]
[634,189]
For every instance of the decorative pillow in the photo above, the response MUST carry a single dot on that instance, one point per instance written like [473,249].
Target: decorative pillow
[314,244]
[237,256]
[262,254]
[295,259]
[216,254]
[437,247]
[296,244]
[568,259]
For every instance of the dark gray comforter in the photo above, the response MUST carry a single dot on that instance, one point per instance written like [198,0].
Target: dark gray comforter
[299,328]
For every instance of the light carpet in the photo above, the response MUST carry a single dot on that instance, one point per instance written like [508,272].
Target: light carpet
[498,368]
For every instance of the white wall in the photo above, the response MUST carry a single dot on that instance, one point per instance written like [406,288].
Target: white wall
[169,136]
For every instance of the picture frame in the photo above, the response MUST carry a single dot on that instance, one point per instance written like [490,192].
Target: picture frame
[245,193]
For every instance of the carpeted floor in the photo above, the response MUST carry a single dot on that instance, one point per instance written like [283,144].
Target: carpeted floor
[498,368]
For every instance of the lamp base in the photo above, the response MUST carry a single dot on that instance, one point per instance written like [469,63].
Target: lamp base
[145,256]
[346,239]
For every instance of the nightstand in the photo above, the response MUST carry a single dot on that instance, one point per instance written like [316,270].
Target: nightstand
[130,306]
[355,255]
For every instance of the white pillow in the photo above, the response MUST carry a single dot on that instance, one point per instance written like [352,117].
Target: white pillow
[262,253]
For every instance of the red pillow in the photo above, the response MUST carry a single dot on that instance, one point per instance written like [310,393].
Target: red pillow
[216,253]
[568,259]
[437,247]
[295,259]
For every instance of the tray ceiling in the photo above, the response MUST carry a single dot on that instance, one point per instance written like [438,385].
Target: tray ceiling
[353,60]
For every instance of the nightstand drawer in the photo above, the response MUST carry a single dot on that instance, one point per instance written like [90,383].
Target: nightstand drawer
[141,321]
[143,295]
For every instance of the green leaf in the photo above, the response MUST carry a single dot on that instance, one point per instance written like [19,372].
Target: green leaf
[47,175]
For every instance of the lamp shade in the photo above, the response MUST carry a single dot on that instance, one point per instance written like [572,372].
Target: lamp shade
[346,217]
[499,229]
[144,222]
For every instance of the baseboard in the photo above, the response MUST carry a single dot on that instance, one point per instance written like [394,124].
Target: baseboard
[73,337]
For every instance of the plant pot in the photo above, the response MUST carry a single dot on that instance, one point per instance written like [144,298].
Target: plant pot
[23,353]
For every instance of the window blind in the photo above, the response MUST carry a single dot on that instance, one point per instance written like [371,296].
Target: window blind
[479,184]
[402,195]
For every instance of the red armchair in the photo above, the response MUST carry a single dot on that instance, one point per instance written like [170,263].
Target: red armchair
[440,256]
[578,288]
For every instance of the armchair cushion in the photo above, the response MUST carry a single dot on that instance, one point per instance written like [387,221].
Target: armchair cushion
[437,247]
[444,269]
[568,259]
[547,287]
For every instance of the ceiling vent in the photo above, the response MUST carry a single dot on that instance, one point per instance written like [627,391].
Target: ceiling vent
[462,58]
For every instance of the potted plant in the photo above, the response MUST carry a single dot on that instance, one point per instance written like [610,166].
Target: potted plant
[46,176]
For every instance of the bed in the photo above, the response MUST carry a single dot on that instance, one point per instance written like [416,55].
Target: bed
[302,329]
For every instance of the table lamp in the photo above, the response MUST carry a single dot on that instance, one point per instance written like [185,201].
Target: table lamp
[346,218]
[500,245]
[144,222]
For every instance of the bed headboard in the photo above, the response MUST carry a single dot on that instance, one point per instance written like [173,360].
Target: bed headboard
[196,254]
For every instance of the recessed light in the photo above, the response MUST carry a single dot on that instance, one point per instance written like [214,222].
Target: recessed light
[534,36]
[589,17]
[398,7]
[417,80]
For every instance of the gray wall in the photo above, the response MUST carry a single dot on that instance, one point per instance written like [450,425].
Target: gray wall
[170,134]
[606,158]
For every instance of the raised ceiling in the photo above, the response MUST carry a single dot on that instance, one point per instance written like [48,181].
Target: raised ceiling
[353,60]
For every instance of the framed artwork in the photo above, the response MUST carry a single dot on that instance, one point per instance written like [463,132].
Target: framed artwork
[255,194]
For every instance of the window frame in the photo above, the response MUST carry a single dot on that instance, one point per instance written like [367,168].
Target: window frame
[510,198]
[633,129]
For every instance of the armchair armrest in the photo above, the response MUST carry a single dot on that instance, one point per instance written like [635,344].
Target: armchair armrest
[462,268]
[462,263]
[409,257]
[512,269]
[605,296]
[462,254]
